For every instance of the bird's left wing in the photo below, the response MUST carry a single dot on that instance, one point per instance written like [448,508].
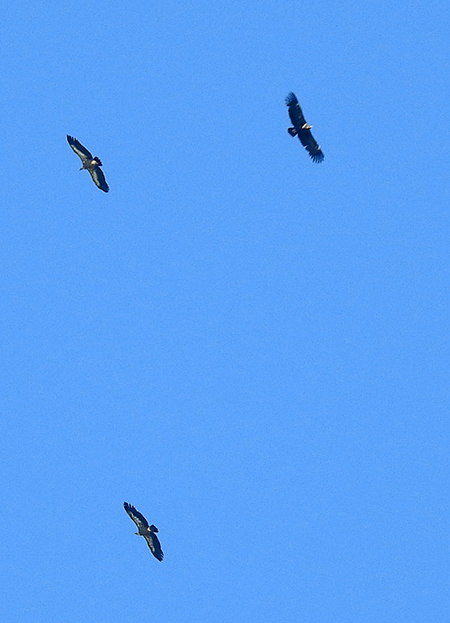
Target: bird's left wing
[154,545]
[311,145]
[99,179]
[79,149]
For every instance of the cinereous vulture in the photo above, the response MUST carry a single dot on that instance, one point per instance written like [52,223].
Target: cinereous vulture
[148,532]
[302,129]
[91,163]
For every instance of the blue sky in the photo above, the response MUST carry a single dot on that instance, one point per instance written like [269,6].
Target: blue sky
[251,348]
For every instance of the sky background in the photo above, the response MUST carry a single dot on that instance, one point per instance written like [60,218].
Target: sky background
[251,348]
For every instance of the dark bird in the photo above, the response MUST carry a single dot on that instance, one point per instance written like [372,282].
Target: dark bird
[91,163]
[302,129]
[148,532]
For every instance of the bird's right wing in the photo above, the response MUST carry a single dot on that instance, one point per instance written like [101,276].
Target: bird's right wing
[79,149]
[295,112]
[136,516]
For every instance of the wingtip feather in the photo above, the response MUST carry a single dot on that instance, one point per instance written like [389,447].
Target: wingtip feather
[291,98]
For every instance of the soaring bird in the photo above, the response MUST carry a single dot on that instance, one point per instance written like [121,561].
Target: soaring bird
[148,532]
[302,129]
[91,163]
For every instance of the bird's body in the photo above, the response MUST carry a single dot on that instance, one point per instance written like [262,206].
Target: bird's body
[302,129]
[148,532]
[89,162]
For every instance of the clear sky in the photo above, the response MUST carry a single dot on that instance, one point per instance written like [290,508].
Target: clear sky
[251,348]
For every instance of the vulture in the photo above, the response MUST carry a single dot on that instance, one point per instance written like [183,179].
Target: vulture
[148,532]
[302,129]
[91,163]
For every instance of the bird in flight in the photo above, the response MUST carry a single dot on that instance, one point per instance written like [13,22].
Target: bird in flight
[91,163]
[148,532]
[302,129]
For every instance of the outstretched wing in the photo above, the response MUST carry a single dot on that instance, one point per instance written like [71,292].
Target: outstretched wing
[295,112]
[136,516]
[154,545]
[99,178]
[311,145]
[79,149]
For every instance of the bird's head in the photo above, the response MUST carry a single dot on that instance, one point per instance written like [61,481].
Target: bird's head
[306,126]
[154,528]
